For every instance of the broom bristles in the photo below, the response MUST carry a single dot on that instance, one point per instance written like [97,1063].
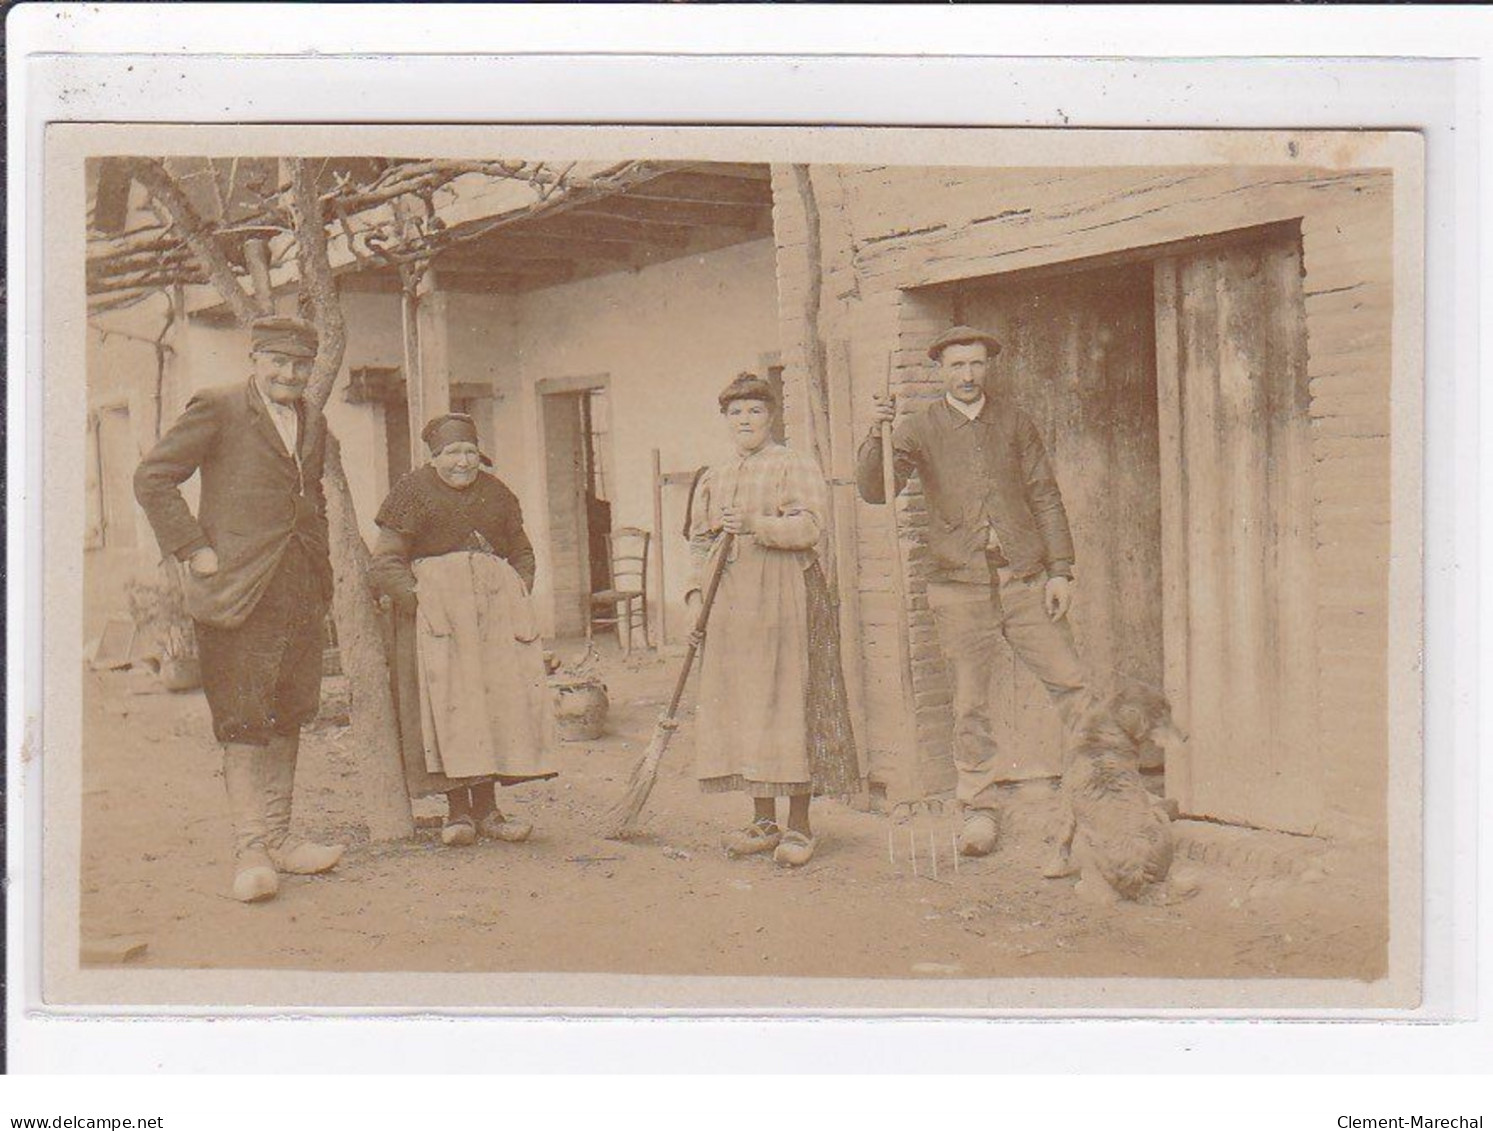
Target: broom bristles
[623,818]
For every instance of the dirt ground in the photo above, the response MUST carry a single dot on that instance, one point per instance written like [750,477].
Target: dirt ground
[157,863]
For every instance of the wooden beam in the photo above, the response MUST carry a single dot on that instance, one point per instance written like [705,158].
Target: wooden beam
[735,169]
[504,265]
[615,229]
[519,245]
[381,282]
[472,390]
[491,282]
[673,213]
[703,189]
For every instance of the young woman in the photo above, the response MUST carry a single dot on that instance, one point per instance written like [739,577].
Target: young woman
[773,718]
[453,560]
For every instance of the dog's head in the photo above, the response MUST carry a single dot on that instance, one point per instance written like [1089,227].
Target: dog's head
[1144,714]
[1133,715]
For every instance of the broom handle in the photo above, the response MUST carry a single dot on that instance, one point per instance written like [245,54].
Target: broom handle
[698,634]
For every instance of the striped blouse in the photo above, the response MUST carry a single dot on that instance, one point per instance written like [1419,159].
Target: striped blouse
[782,490]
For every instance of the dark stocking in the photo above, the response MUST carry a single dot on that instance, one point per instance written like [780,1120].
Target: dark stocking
[798,813]
[458,804]
[484,800]
[766,809]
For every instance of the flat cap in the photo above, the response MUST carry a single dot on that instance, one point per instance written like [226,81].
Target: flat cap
[747,387]
[282,334]
[963,336]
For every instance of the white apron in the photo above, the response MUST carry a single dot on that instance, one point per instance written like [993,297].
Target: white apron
[484,702]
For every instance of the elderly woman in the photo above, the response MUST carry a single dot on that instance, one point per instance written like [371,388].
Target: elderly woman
[453,561]
[773,720]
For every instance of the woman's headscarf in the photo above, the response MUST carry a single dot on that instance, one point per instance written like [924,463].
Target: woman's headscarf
[451,428]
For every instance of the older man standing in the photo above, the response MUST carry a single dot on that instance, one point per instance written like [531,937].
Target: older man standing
[1002,554]
[257,581]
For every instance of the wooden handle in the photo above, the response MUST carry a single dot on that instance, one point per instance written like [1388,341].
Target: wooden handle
[899,577]
[711,585]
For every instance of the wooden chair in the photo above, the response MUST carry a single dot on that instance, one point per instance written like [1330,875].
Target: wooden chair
[628,568]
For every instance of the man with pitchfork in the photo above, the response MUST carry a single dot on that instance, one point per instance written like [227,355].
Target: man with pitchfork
[1001,550]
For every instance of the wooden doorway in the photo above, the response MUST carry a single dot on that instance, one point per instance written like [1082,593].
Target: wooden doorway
[575,418]
[1079,357]
[1170,386]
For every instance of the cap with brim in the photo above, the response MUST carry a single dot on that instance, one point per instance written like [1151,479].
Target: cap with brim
[290,336]
[963,336]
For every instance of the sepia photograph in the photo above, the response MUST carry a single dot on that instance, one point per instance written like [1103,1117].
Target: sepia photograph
[604,567]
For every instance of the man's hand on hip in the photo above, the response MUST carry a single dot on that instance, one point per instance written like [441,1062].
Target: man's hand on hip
[203,562]
[1057,596]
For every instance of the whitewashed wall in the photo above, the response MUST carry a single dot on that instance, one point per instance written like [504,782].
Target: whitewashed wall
[669,338]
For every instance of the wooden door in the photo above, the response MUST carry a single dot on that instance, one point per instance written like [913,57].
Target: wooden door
[1078,353]
[565,486]
[1240,620]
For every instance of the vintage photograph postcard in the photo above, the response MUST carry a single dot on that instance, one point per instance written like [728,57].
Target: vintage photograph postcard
[595,569]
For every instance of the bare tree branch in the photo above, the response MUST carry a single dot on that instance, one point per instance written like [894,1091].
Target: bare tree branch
[318,288]
[195,232]
[413,240]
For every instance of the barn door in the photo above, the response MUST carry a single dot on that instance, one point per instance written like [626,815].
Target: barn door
[1236,461]
[1078,354]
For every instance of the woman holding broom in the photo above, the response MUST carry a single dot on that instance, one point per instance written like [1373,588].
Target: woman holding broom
[773,719]
[454,562]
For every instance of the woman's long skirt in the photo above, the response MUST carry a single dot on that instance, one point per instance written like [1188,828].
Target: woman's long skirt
[774,718]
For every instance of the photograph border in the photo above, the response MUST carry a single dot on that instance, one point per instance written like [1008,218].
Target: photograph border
[570,993]
[1451,727]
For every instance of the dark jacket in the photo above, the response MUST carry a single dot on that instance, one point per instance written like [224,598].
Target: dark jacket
[254,498]
[990,472]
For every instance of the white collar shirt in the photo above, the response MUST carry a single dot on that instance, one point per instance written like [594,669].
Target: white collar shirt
[968,411]
[287,422]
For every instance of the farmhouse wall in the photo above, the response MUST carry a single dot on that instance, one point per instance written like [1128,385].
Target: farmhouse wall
[881,233]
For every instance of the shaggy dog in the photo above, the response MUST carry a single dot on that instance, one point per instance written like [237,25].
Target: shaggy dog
[1116,834]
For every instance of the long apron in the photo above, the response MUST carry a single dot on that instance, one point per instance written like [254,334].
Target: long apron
[484,702]
[752,719]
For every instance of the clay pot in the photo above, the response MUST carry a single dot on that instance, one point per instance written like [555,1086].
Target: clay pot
[580,708]
[181,674]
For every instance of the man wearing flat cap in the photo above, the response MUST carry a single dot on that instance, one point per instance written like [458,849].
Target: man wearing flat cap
[1002,554]
[257,581]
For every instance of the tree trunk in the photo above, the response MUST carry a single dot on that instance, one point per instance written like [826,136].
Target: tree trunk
[365,661]
[816,364]
[360,641]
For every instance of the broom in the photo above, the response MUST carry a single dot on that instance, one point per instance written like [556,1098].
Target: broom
[623,819]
